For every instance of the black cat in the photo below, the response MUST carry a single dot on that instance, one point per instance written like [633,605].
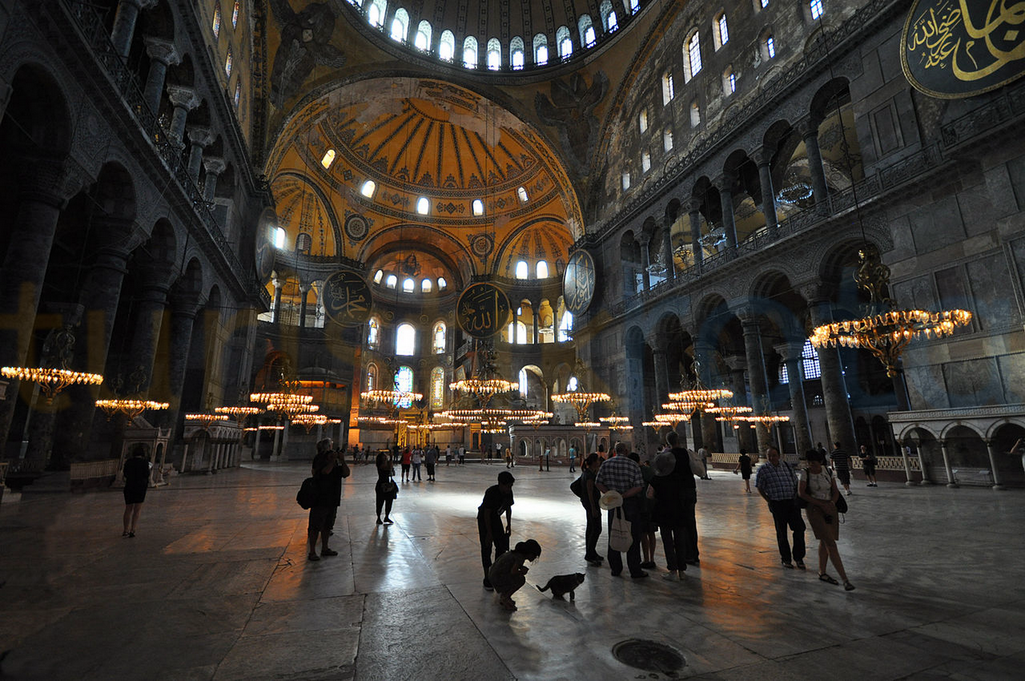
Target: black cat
[562,585]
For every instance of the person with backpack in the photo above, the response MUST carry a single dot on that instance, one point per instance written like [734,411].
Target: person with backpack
[329,468]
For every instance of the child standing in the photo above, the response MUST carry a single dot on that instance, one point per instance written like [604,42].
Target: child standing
[507,575]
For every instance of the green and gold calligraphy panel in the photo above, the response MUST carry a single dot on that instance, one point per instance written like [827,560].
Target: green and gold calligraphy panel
[483,310]
[960,48]
[347,298]
[578,282]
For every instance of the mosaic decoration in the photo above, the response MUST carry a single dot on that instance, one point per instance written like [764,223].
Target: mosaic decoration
[953,49]
[578,282]
[482,245]
[483,310]
[347,298]
[356,227]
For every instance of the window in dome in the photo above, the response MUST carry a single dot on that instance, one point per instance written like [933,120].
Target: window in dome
[667,140]
[368,189]
[668,88]
[438,338]
[391,281]
[234,15]
[447,46]
[695,114]
[564,42]
[442,284]
[729,81]
[642,120]
[572,384]
[378,276]
[238,92]
[587,37]
[470,52]
[522,270]
[605,9]
[227,64]
[405,340]
[516,53]
[522,193]
[770,47]
[399,25]
[720,30]
[478,207]
[328,159]
[522,380]
[373,333]
[303,243]
[279,237]
[376,12]
[408,285]
[540,49]
[371,377]
[494,55]
[692,64]
[542,269]
[612,23]
[634,6]
[423,205]
[645,161]
[565,327]
[437,388]
[217,20]
[422,41]
[816,9]
[404,383]
[626,181]
[426,286]
[763,3]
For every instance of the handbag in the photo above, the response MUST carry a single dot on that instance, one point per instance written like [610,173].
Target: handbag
[620,536]
[307,494]
[389,488]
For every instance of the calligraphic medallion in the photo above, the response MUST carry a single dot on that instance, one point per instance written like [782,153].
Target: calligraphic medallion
[483,310]
[578,282]
[347,298]
[953,49]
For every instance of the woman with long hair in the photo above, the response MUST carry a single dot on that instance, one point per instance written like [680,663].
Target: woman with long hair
[818,487]
[385,489]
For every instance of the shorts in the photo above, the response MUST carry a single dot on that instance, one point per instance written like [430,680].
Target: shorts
[870,469]
[322,519]
[844,476]
[822,529]
[746,475]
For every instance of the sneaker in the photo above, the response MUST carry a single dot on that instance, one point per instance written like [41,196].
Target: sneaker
[389,521]
[328,552]
[670,577]
[788,565]
[487,586]
[800,565]
[313,557]
[639,575]
[648,565]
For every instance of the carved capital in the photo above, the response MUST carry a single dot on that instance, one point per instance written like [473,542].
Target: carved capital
[183,97]
[201,136]
[808,127]
[736,362]
[51,180]
[692,205]
[790,351]
[762,156]
[725,182]
[214,165]
[163,51]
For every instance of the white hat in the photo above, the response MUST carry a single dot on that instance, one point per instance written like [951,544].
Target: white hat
[610,500]
[665,463]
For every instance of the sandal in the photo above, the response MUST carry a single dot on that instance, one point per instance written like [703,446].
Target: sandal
[847,586]
[823,577]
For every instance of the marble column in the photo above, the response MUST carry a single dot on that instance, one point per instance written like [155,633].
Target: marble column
[199,139]
[645,261]
[756,374]
[907,464]
[661,377]
[704,355]
[183,319]
[694,213]
[162,54]
[304,289]
[791,354]
[46,185]
[214,167]
[124,24]
[725,184]
[184,100]
[946,465]
[834,386]
[150,307]
[737,365]
[763,157]
[993,464]
[278,284]
[809,131]
[667,251]
[535,306]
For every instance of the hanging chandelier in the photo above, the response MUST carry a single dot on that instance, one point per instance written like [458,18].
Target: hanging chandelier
[688,407]
[307,421]
[701,394]
[130,408]
[380,395]
[206,420]
[240,414]
[486,382]
[581,401]
[52,380]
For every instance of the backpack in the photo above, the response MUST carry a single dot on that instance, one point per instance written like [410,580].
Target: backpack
[577,487]
[307,494]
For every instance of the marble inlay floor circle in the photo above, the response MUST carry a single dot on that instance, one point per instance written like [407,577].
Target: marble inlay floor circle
[650,656]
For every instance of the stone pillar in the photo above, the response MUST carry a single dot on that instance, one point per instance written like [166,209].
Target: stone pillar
[515,324]
[907,464]
[763,157]
[809,131]
[834,387]
[645,261]
[791,354]
[667,250]
[183,318]
[184,100]
[737,365]
[694,212]
[304,289]
[199,138]
[946,465]
[276,307]
[536,307]
[661,377]
[756,373]
[993,465]
[162,53]
[214,167]
[46,186]
[150,305]
[725,184]
[124,24]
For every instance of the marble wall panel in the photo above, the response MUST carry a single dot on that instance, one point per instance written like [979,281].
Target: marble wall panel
[988,201]
[993,298]
[937,225]
[973,383]
[926,388]
[1016,172]
[1012,373]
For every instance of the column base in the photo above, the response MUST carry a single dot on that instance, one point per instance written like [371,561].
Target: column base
[953,485]
[911,483]
[998,487]
[926,483]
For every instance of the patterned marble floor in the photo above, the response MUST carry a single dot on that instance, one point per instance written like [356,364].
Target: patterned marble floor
[216,586]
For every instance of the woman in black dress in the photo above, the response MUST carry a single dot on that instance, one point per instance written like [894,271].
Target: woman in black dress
[136,475]
[385,488]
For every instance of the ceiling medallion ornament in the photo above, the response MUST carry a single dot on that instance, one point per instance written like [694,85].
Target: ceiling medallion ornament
[347,298]
[482,245]
[578,282]
[356,227]
[483,310]
[953,50]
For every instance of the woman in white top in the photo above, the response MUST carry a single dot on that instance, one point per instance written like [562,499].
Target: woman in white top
[818,488]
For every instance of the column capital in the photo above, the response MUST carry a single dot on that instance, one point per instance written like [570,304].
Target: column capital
[644,238]
[725,182]
[214,165]
[736,362]
[807,127]
[183,97]
[200,136]
[790,350]
[815,292]
[762,156]
[163,51]
[692,205]
[51,180]
[746,314]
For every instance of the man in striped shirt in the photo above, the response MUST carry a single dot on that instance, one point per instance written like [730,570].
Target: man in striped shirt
[777,483]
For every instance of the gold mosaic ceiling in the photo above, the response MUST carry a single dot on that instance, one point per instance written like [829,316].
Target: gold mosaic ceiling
[414,139]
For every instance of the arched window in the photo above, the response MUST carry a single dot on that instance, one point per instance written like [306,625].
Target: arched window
[437,388]
[815,6]
[668,88]
[522,380]
[572,384]
[376,13]
[565,327]
[516,53]
[626,181]
[303,243]
[371,377]
[408,285]
[378,276]
[605,9]
[642,120]
[769,47]
[238,93]
[645,162]
[404,383]
[720,30]
[518,333]
[368,189]
[399,25]
[729,81]
[522,270]
[586,29]
[422,41]
[373,333]
[809,365]
[216,26]
[227,64]
[692,61]
[478,207]
[447,46]
[328,159]
[542,269]
[540,49]
[426,286]
[392,281]
[405,340]
[423,205]
[564,42]
[470,52]
[695,114]
[634,6]
[279,237]
[442,284]
[611,22]
[667,140]
[522,193]
[494,55]
[438,338]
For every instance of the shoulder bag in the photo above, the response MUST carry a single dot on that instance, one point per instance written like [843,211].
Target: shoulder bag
[620,537]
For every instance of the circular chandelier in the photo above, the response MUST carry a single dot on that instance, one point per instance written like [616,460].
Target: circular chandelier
[130,408]
[616,422]
[689,406]
[394,396]
[486,381]
[581,401]
[206,420]
[492,413]
[51,381]
[587,425]
[307,421]
[701,395]
[730,411]
[767,419]
[240,414]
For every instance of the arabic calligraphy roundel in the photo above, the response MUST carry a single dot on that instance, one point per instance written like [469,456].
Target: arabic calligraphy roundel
[578,282]
[347,298]
[961,48]
[483,310]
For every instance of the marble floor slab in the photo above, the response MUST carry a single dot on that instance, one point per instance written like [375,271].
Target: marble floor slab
[216,585]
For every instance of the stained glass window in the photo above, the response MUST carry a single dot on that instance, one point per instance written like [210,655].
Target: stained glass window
[437,388]
[404,382]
